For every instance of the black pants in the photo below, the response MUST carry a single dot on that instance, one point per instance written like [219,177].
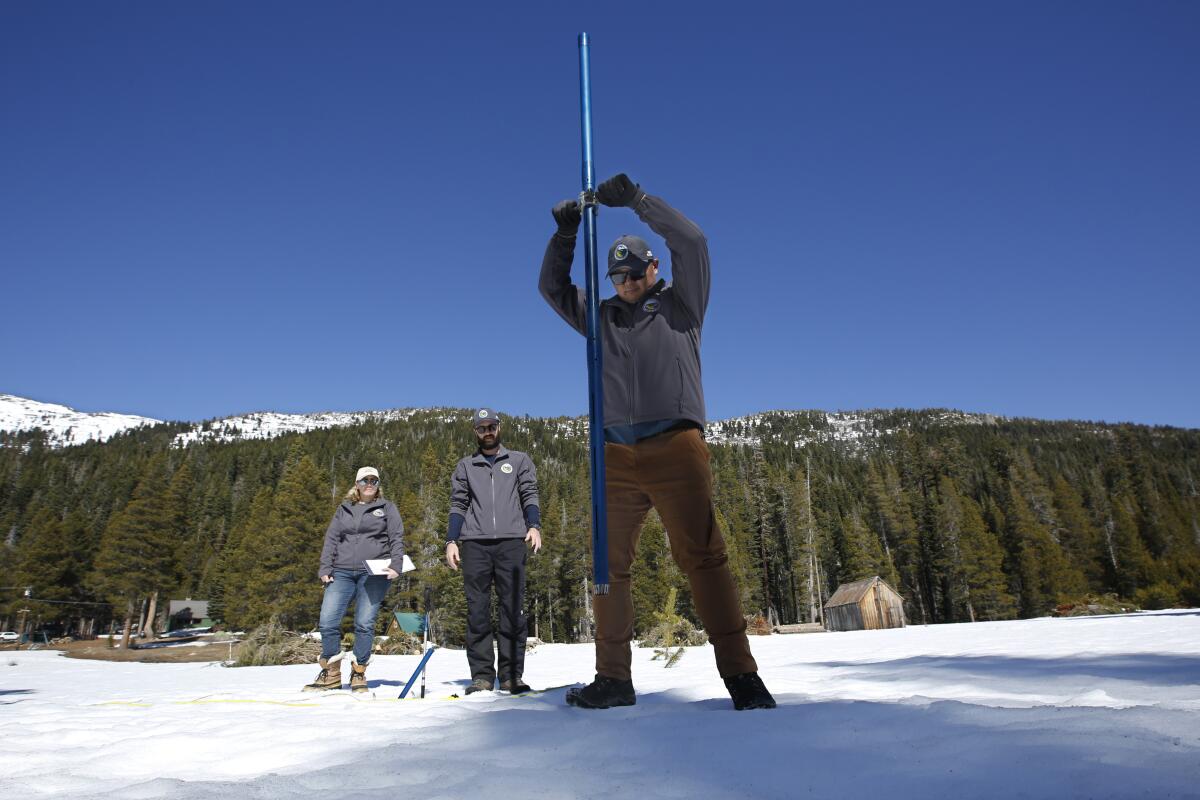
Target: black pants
[501,561]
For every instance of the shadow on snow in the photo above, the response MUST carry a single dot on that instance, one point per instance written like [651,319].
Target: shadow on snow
[669,746]
[1154,668]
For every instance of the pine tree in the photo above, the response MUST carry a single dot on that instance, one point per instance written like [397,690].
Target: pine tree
[136,555]
[426,546]
[279,560]
[240,560]
[731,498]
[655,575]
[892,507]
[176,512]
[1043,575]
[45,562]
[862,553]
[1078,535]
[1135,567]
[974,564]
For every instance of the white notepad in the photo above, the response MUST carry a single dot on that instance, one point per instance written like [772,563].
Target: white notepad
[379,566]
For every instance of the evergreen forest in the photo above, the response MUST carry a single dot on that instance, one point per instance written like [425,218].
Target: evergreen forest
[969,518]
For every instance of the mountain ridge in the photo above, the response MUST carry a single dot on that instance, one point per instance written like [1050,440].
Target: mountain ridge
[65,426]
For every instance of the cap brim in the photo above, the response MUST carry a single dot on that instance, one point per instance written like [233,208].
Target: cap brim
[636,273]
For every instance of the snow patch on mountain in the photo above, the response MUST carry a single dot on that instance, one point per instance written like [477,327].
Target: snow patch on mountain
[269,424]
[850,427]
[64,426]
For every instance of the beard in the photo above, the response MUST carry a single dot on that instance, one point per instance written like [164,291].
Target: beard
[488,441]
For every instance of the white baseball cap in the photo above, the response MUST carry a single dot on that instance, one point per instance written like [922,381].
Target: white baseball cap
[365,471]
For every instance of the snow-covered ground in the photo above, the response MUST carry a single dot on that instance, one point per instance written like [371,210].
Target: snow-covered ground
[1101,707]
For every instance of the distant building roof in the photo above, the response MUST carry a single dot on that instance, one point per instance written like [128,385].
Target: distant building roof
[198,608]
[850,593]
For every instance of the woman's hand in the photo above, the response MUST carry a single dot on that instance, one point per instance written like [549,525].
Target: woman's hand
[452,555]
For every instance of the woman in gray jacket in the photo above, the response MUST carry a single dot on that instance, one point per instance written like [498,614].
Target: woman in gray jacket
[365,526]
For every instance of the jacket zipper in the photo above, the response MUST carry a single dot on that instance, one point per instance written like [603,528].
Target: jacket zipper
[632,368]
[679,370]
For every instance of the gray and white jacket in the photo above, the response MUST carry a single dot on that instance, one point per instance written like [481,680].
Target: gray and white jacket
[359,531]
[652,348]
[493,498]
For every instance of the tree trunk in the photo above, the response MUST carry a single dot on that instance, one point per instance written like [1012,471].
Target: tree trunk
[141,634]
[128,625]
[150,613]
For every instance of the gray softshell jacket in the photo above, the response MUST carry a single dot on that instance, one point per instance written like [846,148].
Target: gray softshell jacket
[492,497]
[652,348]
[360,531]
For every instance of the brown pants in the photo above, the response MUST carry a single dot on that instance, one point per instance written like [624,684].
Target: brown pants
[669,472]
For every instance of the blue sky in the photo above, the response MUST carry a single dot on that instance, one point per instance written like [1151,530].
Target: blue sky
[213,208]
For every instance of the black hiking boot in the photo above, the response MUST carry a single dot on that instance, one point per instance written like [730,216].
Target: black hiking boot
[479,685]
[515,686]
[748,692]
[603,693]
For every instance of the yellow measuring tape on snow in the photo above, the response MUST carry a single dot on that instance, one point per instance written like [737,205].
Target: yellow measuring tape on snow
[203,701]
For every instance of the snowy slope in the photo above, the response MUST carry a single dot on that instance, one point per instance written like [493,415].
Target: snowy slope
[852,427]
[1101,707]
[269,424]
[797,428]
[64,426]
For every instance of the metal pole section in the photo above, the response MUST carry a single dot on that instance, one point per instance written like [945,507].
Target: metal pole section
[425,637]
[594,355]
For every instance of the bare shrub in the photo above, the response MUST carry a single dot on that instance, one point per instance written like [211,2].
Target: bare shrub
[271,645]
[398,644]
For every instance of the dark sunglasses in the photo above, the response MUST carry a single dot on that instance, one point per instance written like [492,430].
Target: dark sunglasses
[369,482]
[487,428]
[619,278]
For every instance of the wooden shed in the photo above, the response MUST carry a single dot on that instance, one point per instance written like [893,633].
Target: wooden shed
[864,605]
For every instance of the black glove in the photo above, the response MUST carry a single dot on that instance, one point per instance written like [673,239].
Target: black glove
[568,217]
[617,191]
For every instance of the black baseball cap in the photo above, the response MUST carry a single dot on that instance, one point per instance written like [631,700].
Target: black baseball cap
[484,416]
[630,252]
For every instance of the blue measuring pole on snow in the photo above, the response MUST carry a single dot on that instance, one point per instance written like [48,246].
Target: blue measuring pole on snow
[429,648]
[420,670]
[587,204]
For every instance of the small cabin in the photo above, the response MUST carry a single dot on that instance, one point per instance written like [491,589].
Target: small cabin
[865,605]
[188,613]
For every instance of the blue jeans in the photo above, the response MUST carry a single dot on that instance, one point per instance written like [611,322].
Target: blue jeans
[367,592]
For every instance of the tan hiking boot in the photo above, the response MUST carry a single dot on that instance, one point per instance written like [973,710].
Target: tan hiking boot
[330,676]
[358,677]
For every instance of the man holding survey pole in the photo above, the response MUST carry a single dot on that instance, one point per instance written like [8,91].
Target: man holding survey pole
[653,418]
[493,513]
